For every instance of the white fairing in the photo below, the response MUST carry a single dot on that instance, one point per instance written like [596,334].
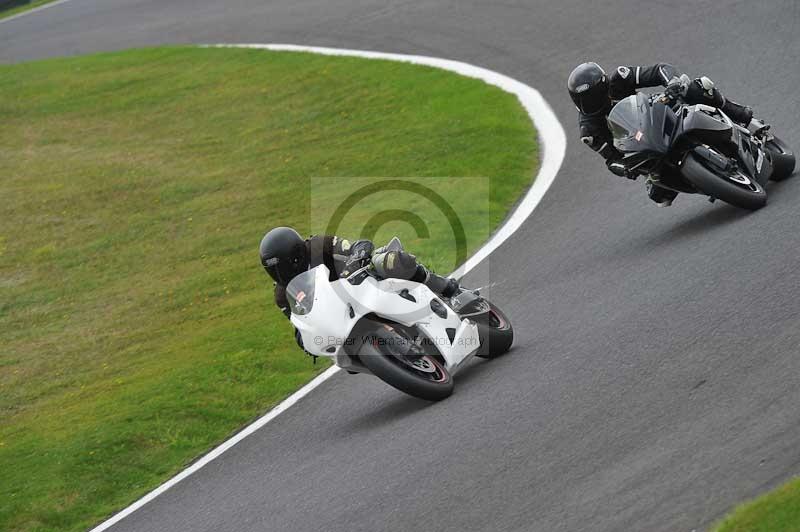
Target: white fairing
[327,326]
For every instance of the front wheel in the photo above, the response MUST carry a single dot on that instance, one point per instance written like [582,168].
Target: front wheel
[736,189]
[415,373]
[782,159]
[495,331]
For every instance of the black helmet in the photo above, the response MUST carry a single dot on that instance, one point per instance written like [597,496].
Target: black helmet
[283,254]
[588,88]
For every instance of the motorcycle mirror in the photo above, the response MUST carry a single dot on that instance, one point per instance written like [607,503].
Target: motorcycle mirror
[394,245]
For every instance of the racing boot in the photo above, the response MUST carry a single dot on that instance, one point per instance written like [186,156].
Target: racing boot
[741,114]
[444,286]
[400,264]
[703,90]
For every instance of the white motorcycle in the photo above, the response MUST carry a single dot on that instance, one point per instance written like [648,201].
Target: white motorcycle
[399,331]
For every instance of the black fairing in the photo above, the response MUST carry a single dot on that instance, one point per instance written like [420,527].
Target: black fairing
[641,129]
[704,128]
[654,139]
[699,126]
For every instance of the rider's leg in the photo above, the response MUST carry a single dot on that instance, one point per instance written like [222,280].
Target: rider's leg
[702,90]
[403,265]
[444,286]
[738,113]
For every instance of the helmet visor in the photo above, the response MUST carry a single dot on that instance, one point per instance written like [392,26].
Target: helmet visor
[591,99]
[284,270]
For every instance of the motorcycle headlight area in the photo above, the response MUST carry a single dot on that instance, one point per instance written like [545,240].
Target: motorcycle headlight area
[300,293]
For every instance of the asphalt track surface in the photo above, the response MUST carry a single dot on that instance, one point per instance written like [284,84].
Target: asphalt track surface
[654,383]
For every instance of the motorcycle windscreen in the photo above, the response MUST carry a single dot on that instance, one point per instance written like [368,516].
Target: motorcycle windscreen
[637,126]
[300,292]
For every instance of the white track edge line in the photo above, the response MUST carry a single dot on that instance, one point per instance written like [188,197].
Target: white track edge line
[32,11]
[551,136]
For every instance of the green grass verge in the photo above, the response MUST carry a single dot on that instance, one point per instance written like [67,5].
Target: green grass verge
[777,511]
[136,324]
[14,7]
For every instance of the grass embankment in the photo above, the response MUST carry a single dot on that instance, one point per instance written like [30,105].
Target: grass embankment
[777,511]
[14,7]
[136,323]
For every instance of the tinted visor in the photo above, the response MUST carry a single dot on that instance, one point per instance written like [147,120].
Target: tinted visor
[284,270]
[591,99]
[278,272]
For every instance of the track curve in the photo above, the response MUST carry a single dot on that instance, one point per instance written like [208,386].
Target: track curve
[655,382]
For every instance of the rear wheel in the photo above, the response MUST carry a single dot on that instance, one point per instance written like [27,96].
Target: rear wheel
[736,188]
[495,331]
[783,160]
[411,371]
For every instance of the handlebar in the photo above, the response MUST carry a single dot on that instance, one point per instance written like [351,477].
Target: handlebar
[666,99]
[357,277]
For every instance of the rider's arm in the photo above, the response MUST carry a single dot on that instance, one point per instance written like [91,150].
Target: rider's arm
[595,134]
[624,80]
[358,250]
[353,256]
[280,300]
[340,255]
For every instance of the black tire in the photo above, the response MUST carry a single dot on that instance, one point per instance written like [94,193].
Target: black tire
[433,386]
[783,160]
[495,331]
[751,196]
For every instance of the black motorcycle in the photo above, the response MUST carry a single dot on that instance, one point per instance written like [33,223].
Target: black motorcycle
[697,149]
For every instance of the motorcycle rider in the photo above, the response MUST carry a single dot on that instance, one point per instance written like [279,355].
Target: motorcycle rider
[594,94]
[285,254]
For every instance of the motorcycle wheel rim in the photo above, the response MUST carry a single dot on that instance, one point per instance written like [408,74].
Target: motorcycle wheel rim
[424,366]
[742,181]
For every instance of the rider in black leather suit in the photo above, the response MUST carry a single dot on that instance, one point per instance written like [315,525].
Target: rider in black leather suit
[594,94]
[285,254]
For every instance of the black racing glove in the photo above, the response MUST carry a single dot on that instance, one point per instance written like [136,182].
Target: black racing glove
[677,87]
[360,254]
